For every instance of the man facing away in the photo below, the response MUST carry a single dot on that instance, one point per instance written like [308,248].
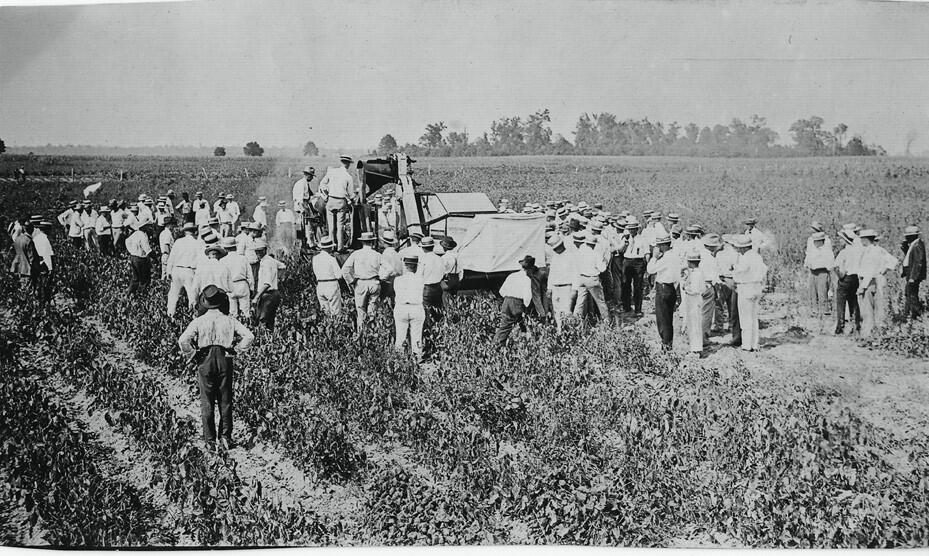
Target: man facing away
[819,261]
[182,266]
[846,292]
[267,297]
[327,272]
[139,262]
[25,257]
[391,265]
[914,270]
[339,187]
[240,276]
[409,315]
[872,265]
[562,275]
[360,271]
[211,341]
[516,292]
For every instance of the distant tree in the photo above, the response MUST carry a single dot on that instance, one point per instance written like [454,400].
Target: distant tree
[387,145]
[585,135]
[692,132]
[562,146]
[2,146]
[507,136]
[839,132]
[809,135]
[252,148]
[310,149]
[433,136]
[458,143]
[219,151]
[706,136]
[537,132]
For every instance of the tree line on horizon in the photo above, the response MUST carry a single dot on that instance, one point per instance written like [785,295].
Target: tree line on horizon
[605,134]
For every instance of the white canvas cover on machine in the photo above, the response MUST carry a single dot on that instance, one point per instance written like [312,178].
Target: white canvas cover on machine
[496,242]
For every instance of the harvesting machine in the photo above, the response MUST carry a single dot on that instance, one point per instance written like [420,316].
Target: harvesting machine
[490,244]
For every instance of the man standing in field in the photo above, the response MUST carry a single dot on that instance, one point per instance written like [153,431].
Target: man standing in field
[339,187]
[185,208]
[327,272]
[758,237]
[846,293]
[589,266]
[409,314]
[25,257]
[726,297]
[749,274]
[139,262]
[260,215]
[914,271]
[517,295]
[201,210]
[210,342]
[267,297]
[561,279]
[241,279]
[235,212]
[432,270]
[635,257]
[666,265]
[103,229]
[43,248]
[301,197]
[391,266]
[165,245]
[874,262]
[182,266]
[820,261]
[361,272]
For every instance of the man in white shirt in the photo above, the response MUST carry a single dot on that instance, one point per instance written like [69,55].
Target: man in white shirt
[240,276]
[589,265]
[284,227]
[212,272]
[327,272]
[88,227]
[104,231]
[182,266]
[165,244]
[709,245]
[562,275]
[872,265]
[339,187]
[749,274]
[413,248]
[635,258]
[517,295]
[666,265]
[64,219]
[301,197]
[201,210]
[267,297]
[260,215]
[139,262]
[409,314]
[360,271]
[391,265]
[234,211]
[43,247]
[224,217]
[846,291]
[726,297]
[432,270]
[210,341]
[759,239]
[819,261]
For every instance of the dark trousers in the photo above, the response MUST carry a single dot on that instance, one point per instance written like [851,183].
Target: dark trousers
[432,301]
[189,216]
[723,314]
[913,308]
[734,321]
[106,245]
[43,284]
[846,296]
[266,311]
[387,290]
[511,314]
[215,377]
[633,280]
[665,300]
[616,278]
[141,275]
[77,241]
[255,271]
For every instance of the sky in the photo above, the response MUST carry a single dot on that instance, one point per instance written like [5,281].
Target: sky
[343,74]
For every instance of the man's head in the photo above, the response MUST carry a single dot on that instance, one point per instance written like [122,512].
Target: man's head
[261,247]
[367,239]
[819,239]
[199,195]
[190,228]
[309,172]
[663,243]
[579,238]
[632,226]
[557,244]
[326,244]
[742,243]
[751,223]
[213,297]
[185,196]
[416,237]
[712,242]
[528,263]
[911,233]
[427,244]
[867,236]
[346,161]
[411,263]
[693,259]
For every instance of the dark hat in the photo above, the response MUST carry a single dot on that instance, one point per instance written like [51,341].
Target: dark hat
[448,243]
[215,247]
[528,261]
[751,221]
[416,235]
[345,158]
[213,297]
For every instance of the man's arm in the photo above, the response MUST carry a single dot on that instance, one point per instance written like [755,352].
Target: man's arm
[245,335]
[187,340]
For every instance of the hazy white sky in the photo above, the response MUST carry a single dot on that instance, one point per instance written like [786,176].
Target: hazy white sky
[225,72]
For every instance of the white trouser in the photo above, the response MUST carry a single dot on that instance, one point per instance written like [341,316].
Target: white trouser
[238,300]
[749,295]
[330,297]
[869,308]
[181,278]
[367,293]
[164,266]
[561,303]
[409,317]
[693,320]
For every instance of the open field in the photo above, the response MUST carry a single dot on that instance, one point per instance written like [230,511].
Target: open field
[589,436]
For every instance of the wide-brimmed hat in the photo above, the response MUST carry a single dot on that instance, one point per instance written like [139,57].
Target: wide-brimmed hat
[411,258]
[191,227]
[816,226]
[712,240]
[819,236]
[673,217]
[227,243]
[282,203]
[663,240]
[741,240]
[911,231]
[367,236]
[579,237]
[72,203]
[596,225]
[309,169]
[213,297]
[260,244]
[556,241]
[389,238]
[134,208]
[527,262]
[693,257]
[326,243]
[427,242]
[199,193]
[215,247]
[44,224]
[448,243]
[212,220]
[869,233]
[677,229]
[847,236]
[230,196]
[345,158]
[416,235]
[104,208]
[632,223]
[209,236]
[751,221]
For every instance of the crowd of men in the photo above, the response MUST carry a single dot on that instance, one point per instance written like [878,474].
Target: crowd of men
[598,266]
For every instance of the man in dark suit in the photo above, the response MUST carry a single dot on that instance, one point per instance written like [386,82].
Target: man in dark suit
[914,270]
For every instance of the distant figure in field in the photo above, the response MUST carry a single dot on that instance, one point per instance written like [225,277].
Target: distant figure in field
[874,262]
[339,187]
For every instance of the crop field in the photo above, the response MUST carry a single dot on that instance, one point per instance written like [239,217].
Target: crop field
[591,436]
